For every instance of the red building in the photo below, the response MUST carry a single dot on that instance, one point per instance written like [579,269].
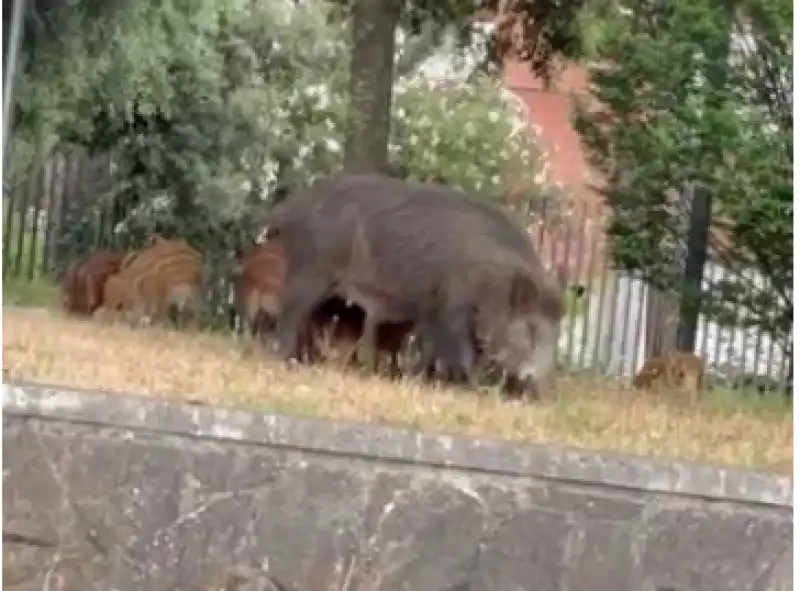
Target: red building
[550,110]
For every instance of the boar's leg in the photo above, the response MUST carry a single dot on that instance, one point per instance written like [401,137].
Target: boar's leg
[374,313]
[368,343]
[446,339]
[394,365]
[428,344]
[458,353]
[426,363]
[392,339]
[380,338]
[431,345]
[303,292]
[516,388]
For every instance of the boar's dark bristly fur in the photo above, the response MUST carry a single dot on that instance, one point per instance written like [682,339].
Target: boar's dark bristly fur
[457,268]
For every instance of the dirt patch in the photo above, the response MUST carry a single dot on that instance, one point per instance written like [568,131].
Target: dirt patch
[44,346]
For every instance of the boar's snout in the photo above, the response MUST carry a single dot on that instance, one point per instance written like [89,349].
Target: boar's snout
[526,351]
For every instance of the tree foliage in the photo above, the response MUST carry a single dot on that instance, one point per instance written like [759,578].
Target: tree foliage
[700,91]
[209,108]
[533,31]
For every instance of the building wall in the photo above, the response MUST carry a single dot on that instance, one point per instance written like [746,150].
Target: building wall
[551,111]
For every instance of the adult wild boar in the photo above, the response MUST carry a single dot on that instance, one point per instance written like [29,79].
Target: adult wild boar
[461,271]
[482,298]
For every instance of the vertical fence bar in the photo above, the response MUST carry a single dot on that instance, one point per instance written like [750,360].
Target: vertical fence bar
[740,331]
[96,201]
[742,317]
[21,214]
[66,193]
[124,238]
[566,247]
[757,349]
[84,211]
[102,221]
[640,324]
[625,324]
[787,371]
[47,195]
[601,319]
[35,186]
[113,218]
[53,220]
[577,302]
[701,343]
[95,198]
[72,171]
[595,246]
[612,324]
[8,215]
[718,327]
[106,215]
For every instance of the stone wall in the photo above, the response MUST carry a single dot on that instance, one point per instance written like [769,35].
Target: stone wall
[104,491]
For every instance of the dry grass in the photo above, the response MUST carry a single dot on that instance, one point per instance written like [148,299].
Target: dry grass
[44,346]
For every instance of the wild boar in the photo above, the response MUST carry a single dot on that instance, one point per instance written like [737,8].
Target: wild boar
[488,301]
[677,372]
[259,273]
[163,275]
[463,273]
[84,280]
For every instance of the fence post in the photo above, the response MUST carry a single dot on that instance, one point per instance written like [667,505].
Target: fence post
[696,255]
[660,321]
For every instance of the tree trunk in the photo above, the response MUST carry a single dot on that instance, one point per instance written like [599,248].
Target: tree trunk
[373,24]
[12,45]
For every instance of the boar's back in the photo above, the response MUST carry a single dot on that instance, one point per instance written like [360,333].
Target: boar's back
[418,234]
[335,205]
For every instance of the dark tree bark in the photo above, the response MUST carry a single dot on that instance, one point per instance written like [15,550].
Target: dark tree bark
[373,24]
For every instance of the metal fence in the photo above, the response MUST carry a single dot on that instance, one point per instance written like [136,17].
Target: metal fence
[621,321]
[616,324]
[39,216]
